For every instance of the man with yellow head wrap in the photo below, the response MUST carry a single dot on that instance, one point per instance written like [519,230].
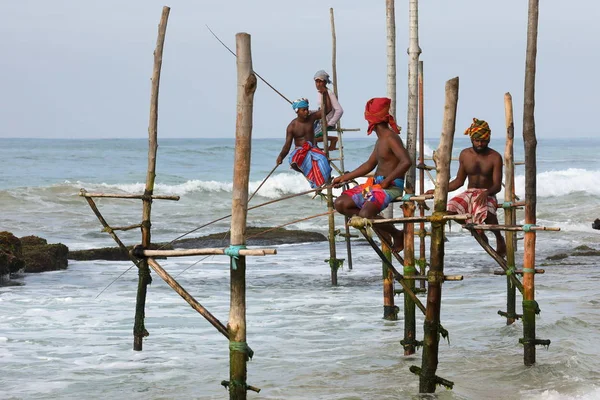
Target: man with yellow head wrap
[481,166]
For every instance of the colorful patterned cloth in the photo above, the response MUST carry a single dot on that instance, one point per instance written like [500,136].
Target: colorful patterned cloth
[479,129]
[371,191]
[464,203]
[300,103]
[378,110]
[312,162]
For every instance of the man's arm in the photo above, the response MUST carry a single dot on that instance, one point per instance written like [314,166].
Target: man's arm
[404,163]
[338,111]
[362,170]
[496,177]
[286,147]
[461,175]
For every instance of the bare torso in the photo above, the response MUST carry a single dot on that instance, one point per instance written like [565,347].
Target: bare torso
[386,159]
[479,168]
[302,131]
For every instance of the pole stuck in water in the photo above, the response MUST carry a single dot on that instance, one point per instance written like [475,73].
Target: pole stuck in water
[239,352]
[427,378]
[139,330]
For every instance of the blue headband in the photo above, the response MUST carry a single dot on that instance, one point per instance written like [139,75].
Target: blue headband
[300,103]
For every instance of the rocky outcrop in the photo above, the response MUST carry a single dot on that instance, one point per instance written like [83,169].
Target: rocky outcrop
[11,254]
[39,256]
[29,254]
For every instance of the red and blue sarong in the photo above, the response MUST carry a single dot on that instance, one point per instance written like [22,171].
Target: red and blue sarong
[371,191]
[312,162]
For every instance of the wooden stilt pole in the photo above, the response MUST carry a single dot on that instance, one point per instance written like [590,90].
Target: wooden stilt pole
[509,212]
[139,330]
[530,307]
[334,263]
[422,232]
[410,323]
[390,311]
[238,349]
[410,178]
[428,379]
[339,129]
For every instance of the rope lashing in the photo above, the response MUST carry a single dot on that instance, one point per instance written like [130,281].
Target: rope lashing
[531,305]
[529,270]
[242,347]
[437,218]
[507,204]
[527,227]
[407,196]
[510,270]
[234,253]
[359,222]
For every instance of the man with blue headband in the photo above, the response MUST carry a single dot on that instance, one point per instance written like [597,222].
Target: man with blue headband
[306,157]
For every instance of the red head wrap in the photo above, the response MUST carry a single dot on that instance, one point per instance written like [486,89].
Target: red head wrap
[378,110]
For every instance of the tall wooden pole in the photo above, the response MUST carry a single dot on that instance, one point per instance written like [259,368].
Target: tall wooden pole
[339,128]
[144,279]
[422,261]
[509,212]
[427,379]
[529,304]
[410,324]
[238,349]
[413,90]
[390,312]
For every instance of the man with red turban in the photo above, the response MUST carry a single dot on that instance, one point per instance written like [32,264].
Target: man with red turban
[482,166]
[392,161]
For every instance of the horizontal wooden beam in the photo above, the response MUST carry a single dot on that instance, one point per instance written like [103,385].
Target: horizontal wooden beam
[83,193]
[204,252]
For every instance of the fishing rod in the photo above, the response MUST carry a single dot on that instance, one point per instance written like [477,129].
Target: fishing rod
[255,73]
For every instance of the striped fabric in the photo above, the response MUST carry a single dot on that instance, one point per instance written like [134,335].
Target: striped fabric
[313,163]
[479,129]
[464,203]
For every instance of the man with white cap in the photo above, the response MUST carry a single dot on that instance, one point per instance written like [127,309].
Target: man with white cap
[321,80]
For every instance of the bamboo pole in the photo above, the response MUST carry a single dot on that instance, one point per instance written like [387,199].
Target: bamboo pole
[529,305]
[238,349]
[422,262]
[203,252]
[160,271]
[358,221]
[428,379]
[83,193]
[339,128]
[390,311]
[334,263]
[410,323]
[139,330]
[512,228]
[413,84]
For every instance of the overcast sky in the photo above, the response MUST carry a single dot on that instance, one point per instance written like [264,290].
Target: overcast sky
[81,68]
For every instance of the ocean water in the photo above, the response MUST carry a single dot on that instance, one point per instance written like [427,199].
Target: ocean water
[61,338]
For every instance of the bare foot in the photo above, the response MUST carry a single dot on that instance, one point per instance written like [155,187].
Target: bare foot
[335,148]
[398,241]
[501,247]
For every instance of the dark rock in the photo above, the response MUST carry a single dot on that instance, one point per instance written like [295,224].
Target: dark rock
[32,241]
[557,256]
[596,224]
[254,237]
[45,257]
[10,255]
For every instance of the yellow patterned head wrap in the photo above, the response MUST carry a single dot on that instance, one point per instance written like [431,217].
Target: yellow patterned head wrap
[479,129]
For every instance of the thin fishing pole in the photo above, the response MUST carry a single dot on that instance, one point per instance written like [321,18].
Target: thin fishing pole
[262,183]
[255,73]
[249,208]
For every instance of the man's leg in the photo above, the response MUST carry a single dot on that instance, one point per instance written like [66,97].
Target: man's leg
[346,206]
[389,231]
[333,140]
[500,243]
